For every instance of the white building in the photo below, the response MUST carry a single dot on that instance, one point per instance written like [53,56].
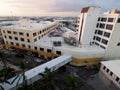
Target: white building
[110,73]
[107,34]
[86,24]
[25,33]
[100,29]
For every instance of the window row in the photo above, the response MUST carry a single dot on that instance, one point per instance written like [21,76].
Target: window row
[42,31]
[36,48]
[15,33]
[101,25]
[48,50]
[104,19]
[99,32]
[117,79]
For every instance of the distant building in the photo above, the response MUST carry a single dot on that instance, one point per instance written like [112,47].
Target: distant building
[110,73]
[25,34]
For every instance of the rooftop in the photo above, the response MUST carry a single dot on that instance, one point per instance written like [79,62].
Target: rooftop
[47,42]
[33,25]
[113,65]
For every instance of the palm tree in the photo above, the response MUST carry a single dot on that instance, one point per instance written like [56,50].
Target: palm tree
[48,80]
[23,68]
[6,72]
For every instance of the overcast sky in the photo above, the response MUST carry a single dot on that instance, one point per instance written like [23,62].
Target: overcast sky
[52,7]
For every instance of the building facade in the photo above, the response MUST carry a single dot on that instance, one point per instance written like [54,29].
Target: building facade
[25,34]
[110,74]
[107,34]
[86,24]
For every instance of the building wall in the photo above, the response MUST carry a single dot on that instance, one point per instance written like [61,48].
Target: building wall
[109,34]
[87,22]
[109,78]
[25,38]
[113,48]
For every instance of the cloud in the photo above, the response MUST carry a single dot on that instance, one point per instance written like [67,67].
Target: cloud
[54,6]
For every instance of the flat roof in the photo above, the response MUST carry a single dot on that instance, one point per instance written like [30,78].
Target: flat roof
[33,25]
[47,42]
[113,65]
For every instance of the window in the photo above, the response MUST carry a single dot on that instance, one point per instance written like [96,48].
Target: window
[104,67]
[29,46]
[23,45]
[49,50]
[5,36]
[96,43]
[16,38]
[34,34]
[14,32]
[94,37]
[103,19]
[98,19]
[118,21]
[28,40]
[101,25]
[10,37]
[104,41]
[3,31]
[95,31]
[7,42]
[27,34]
[111,73]
[40,32]
[106,34]
[11,43]
[35,39]
[9,32]
[107,70]
[98,39]
[58,52]
[17,44]
[100,32]
[110,19]
[109,27]
[22,39]
[102,46]
[118,44]
[20,33]
[42,49]
[39,37]
[117,79]
[35,48]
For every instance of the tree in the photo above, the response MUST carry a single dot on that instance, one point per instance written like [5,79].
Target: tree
[6,72]
[48,80]
[23,68]
[71,82]
[2,59]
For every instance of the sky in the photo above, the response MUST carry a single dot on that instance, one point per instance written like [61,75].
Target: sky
[52,7]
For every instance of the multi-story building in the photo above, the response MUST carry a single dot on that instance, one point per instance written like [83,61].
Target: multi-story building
[107,34]
[110,74]
[101,30]
[25,33]
[86,24]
